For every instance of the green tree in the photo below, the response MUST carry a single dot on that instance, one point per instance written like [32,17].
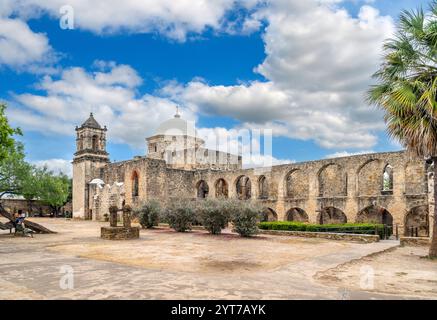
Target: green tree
[407,86]
[13,169]
[7,141]
[33,185]
[14,172]
[53,190]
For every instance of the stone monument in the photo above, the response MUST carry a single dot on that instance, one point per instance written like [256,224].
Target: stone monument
[115,232]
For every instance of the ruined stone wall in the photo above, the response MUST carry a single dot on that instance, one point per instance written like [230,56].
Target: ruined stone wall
[330,190]
[13,205]
[346,186]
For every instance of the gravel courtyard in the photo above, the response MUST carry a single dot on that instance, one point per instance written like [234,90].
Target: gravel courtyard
[164,264]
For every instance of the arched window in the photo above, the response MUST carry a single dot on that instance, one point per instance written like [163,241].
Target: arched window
[135,184]
[95,143]
[202,189]
[332,181]
[221,188]
[243,187]
[387,183]
[263,188]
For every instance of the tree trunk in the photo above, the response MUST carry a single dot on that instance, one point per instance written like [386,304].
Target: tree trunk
[433,248]
[29,224]
[29,207]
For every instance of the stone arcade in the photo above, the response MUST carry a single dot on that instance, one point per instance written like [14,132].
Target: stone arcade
[391,188]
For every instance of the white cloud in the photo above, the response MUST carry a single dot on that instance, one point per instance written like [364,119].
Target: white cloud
[56,165]
[109,93]
[342,154]
[243,142]
[173,19]
[318,66]
[21,48]
[25,50]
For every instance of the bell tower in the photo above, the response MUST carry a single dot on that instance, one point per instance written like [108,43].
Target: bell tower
[89,158]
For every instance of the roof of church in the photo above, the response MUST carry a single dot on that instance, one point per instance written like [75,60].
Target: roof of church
[176,126]
[91,123]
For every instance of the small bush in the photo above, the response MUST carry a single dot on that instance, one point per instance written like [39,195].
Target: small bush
[148,214]
[179,214]
[357,228]
[211,215]
[244,216]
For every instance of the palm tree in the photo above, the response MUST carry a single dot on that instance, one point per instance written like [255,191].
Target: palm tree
[406,89]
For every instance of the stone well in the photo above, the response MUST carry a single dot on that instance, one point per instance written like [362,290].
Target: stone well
[120,233]
[125,232]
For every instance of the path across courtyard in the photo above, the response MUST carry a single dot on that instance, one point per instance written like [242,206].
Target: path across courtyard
[164,264]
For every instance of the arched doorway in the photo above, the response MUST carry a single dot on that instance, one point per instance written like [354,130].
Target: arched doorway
[243,188]
[263,188]
[202,189]
[375,214]
[331,215]
[221,188]
[296,214]
[269,215]
[417,222]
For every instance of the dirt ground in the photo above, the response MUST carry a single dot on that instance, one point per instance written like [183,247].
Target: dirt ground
[400,271]
[164,264]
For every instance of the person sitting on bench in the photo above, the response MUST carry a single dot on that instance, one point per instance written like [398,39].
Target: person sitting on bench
[19,224]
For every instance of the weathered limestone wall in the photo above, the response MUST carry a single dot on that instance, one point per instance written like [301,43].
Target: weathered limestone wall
[363,238]
[414,241]
[327,191]
[13,205]
[336,186]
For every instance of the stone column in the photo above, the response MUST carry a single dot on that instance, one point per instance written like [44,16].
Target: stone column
[113,216]
[127,210]
[351,206]
[312,207]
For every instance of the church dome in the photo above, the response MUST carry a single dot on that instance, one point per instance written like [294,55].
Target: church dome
[177,127]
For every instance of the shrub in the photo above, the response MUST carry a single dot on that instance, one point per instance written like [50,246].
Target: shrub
[211,215]
[244,216]
[357,228]
[179,214]
[148,214]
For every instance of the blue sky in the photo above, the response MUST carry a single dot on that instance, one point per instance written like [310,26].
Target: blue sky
[300,69]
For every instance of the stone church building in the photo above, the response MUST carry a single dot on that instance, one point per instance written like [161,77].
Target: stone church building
[393,188]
